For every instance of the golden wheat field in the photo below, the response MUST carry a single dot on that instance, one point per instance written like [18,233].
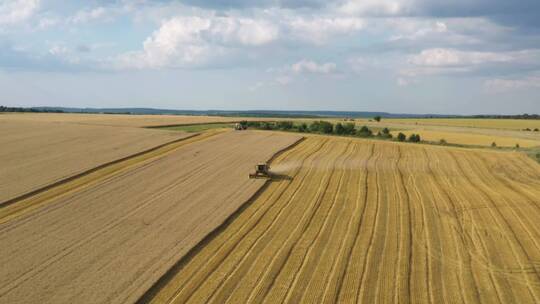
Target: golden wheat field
[510,124]
[95,209]
[471,138]
[108,242]
[459,131]
[118,120]
[35,154]
[375,222]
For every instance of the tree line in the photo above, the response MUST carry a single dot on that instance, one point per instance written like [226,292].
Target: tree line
[27,110]
[519,116]
[328,128]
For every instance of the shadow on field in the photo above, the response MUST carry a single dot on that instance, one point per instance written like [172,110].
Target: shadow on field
[279,177]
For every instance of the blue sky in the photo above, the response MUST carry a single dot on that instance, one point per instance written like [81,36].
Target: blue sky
[407,56]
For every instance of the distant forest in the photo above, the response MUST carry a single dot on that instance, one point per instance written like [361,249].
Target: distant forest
[255,113]
[29,110]
[521,116]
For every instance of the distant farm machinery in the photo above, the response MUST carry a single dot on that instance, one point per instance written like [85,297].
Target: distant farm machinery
[240,126]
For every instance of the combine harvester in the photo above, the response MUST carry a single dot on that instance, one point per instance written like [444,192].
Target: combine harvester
[262,170]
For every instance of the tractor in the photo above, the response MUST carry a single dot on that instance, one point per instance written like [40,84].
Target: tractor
[240,126]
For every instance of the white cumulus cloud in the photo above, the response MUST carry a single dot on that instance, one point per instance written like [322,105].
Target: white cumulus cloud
[308,66]
[88,15]
[17,11]
[450,57]
[440,61]
[374,7]
[319,29]
[184,41]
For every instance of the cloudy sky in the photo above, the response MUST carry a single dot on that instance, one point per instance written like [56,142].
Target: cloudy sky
[408,56]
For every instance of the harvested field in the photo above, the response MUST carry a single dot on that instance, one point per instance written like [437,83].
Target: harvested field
[459,132]
[111,241]
[36,154]
[30,201]
[509,124]
[119,120]
[375,222]
[471,139]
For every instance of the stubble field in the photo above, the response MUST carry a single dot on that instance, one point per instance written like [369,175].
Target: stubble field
[467,132]
[504,124]
[471,138]
[119,120]
[345,220]
[109,242]
[35,154]
[375,222]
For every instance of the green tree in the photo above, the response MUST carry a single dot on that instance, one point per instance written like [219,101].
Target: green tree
[254,124]
[339,129]
[364,132]
[285,125]
[401,137]
[326,127]
[350,128]
[267,125]
[385,133]
[377,118]
[493,144]
[315,126]
[302,127]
